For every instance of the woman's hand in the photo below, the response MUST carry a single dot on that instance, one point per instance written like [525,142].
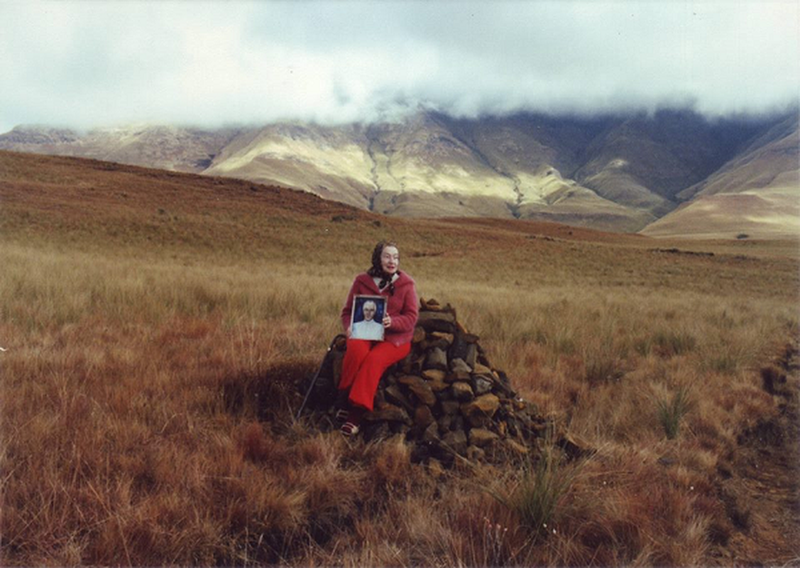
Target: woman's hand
[387,321]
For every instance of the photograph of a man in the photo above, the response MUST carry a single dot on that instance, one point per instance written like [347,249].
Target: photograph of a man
[367,316]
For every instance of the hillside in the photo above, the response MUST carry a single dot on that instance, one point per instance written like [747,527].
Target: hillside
[617,173]
[156,325]
[757,193]
[166,147]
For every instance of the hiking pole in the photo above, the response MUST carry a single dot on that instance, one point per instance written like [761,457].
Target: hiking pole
[316,376]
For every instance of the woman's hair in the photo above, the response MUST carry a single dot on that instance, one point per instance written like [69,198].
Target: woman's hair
[376,269]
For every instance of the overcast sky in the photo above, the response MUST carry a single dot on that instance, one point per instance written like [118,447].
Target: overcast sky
[88,63]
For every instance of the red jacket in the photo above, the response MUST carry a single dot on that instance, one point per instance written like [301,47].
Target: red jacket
[403,306]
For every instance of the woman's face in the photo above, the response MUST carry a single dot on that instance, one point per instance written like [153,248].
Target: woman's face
[390,260]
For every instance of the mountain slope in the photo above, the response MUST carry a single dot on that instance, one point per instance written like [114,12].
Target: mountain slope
[611,172]
[156,146]
[757,193]
[646,161]
[771,160]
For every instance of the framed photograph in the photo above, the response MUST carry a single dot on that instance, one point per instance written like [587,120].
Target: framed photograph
[366,320]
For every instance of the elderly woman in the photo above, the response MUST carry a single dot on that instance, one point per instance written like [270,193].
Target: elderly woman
[365,361]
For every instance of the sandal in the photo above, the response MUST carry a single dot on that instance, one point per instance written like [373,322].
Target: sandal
[349,429]
[341,415]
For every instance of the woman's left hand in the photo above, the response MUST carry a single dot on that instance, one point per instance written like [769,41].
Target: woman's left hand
[387,321]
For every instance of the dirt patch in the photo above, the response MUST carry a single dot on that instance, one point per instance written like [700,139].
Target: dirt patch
[759,483]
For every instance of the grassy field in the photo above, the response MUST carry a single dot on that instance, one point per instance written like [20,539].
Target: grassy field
[133,300]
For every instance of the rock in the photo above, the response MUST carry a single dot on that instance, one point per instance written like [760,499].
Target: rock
[426,317]
[429,344]
[462,392]
[446,337]
[419,335]
[436,359]
[388,413]
[423,392]
[434,374]
[450,407]
[395,396]
[459,365]
[438,386]
[458,350]
[455,441]
[431,434]
[471,355]
[480,369]
[481,385]
[481,437]
[432,305]
[437,321]
[459,375]
[421,389]
[480,411]
[423,417]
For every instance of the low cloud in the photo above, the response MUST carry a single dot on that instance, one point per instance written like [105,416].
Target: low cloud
[83,64]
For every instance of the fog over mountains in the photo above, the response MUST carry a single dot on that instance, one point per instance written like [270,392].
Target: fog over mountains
[669,173]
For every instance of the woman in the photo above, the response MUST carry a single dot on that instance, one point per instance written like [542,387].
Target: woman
[365,361]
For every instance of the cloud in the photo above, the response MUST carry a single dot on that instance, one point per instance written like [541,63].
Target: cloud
[209,63]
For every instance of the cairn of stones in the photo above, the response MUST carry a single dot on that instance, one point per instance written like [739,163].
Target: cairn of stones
[445,397]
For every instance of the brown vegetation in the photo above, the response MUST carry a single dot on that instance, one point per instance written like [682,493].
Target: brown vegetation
[155,322]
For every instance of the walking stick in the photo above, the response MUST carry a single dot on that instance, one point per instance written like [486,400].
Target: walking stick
[316,376]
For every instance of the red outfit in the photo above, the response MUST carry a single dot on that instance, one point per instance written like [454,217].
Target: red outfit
[365,361]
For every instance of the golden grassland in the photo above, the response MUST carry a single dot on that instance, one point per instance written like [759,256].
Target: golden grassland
[133,302]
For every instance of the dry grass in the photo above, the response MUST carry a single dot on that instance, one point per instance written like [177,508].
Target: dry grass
[148,387]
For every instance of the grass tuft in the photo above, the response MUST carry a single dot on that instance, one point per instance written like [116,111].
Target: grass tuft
[537,492]
[671,413]
[672,343]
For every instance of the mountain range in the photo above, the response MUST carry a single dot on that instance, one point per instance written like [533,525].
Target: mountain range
[669,173]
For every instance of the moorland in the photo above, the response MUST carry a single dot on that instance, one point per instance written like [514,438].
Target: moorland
[131,298]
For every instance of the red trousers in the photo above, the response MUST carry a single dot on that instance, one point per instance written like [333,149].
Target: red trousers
[363,366]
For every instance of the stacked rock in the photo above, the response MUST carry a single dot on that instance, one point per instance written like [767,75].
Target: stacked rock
[446,397]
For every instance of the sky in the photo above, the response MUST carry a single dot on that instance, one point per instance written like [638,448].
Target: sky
[83,64]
